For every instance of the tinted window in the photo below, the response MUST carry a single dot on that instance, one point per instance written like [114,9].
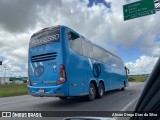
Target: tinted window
[114,61]
[45,37]
[98,53]
[87,48]
[105,57]
[72,36]
[75,42]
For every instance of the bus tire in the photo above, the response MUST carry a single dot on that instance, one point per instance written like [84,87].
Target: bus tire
[123,88]
[92,92]
[101,90]
[63,98]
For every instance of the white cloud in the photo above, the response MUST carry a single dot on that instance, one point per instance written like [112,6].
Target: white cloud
[14,47]
[143,65]
[97,23]
[13,68]
[14,50]
[102,25]
[156,51]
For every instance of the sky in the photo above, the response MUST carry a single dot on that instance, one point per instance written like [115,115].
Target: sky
[136,41]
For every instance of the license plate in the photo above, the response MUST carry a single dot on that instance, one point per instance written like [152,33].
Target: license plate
[41,90]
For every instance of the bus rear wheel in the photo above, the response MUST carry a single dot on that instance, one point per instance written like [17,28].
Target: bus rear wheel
[100,92]
[92,92]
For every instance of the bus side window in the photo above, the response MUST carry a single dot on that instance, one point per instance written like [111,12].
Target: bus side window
[72,36]
[87,48]
[69,36]
[75,42]
[97,53]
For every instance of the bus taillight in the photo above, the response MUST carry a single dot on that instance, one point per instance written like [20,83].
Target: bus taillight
[62,75]
[28,80]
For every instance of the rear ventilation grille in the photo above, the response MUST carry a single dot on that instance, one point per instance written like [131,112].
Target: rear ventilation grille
[44,57]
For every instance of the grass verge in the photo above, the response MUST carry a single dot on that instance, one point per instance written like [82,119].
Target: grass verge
[137,78]
[12,89]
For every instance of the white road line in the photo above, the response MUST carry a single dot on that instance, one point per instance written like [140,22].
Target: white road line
[18,101]
[127,106]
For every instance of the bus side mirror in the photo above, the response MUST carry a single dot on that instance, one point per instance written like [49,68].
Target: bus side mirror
[72,36]
[127,70]
[69,36]
[0,62]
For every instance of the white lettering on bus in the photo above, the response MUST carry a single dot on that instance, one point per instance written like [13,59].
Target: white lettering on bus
[44,40]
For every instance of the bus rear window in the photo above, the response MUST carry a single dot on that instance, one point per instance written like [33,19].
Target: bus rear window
[45,37]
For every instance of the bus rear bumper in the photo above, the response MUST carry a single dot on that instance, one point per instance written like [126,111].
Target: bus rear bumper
[46,95]
[49,91]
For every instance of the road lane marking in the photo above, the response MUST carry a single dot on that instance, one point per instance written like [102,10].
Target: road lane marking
[127,106]
[18,101]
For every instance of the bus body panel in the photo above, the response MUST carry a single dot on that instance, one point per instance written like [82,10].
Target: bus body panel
[50,68]
[76,75]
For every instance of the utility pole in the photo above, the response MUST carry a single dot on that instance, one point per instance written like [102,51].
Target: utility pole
[0,65]
[5,68]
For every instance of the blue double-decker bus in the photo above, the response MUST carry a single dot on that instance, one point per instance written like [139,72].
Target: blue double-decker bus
[63,63]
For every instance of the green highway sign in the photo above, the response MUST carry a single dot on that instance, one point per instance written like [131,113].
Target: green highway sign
[138,9]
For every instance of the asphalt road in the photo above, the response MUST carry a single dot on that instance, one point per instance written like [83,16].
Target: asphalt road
[115,100]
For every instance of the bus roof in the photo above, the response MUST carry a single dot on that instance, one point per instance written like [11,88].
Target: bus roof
[59,26]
